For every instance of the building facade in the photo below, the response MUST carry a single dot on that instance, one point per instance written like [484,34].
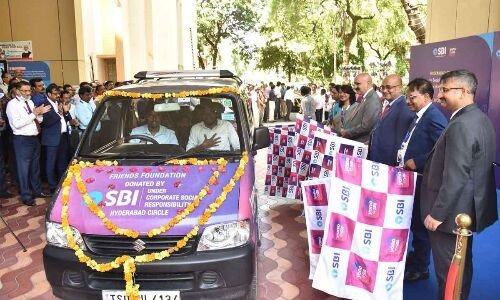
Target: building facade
[450,19]
[84,40]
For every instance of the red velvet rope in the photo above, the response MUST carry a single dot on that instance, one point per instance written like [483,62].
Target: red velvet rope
[451,281]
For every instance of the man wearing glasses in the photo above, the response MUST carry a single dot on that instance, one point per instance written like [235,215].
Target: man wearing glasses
[55,137]
[24,119]
[360,121]
[392,125]
[458,176]
[417,143]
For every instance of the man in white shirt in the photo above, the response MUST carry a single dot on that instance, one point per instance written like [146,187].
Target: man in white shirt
[279,98]
[4,83]
[212,133]
[255,105]
[24,119]
[154,130]
[289,97]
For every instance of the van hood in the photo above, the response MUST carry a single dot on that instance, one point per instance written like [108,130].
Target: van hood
[146,197]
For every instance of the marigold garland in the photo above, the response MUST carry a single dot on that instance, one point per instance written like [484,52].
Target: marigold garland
[183,94]
[128,262]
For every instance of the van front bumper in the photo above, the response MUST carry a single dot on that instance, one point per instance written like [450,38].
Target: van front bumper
[218,274]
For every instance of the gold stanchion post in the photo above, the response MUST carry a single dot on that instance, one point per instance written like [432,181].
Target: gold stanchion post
[463,222]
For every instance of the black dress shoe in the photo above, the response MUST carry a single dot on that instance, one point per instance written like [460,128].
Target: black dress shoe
[6,195]
[43,195]
[29,203]
[416,275]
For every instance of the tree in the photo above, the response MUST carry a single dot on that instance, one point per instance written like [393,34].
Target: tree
[352,31]
[348,35]
[224,19]
[415,20]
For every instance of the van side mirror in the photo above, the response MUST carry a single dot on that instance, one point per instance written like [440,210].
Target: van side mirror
[260,138]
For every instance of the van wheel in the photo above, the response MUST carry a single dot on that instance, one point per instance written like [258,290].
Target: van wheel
[252,295]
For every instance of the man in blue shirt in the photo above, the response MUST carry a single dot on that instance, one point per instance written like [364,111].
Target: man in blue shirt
[85,108]
[154,130]
[37,91]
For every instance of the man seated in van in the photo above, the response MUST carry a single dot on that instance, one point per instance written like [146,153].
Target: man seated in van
[154,130]
[212,133]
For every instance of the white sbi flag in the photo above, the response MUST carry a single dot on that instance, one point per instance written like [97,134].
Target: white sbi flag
[366,231]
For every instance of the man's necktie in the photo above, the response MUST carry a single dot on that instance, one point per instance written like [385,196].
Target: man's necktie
[384,112]
[38,128]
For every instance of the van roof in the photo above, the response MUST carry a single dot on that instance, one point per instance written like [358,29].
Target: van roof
[176,81]
[176,85]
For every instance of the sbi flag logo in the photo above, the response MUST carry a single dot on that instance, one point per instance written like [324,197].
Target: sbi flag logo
[335,265]
[498,53]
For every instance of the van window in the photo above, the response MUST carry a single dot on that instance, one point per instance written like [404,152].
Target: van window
[162,127]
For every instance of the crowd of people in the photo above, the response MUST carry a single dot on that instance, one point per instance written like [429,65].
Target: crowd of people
[403,127]
[41,124]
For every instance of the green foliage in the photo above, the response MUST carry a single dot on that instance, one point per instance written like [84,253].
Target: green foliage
[322,27]
[225,19]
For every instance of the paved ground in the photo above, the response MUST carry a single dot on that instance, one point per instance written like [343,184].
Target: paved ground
[283,261]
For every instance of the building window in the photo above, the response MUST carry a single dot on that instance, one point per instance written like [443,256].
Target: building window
[110,69]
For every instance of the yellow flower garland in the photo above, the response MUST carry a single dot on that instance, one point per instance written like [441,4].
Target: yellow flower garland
[183,94]
[128,262]
[97,211]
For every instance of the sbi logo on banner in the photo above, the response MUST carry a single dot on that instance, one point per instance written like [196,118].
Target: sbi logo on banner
[116,198]
[389,278]
[375,173]
[346,194]
[335,265]
[439,51]
[400,209]
[498,53]
[319,218]
[367,241]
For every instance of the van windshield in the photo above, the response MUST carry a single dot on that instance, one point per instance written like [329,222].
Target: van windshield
[140,128]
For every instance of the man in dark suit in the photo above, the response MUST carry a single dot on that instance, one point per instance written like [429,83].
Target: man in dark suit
[417,143]
[55,138]
[361,120]
[458,176]
[392,125]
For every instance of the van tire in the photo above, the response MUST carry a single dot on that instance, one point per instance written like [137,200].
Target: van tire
[252,295]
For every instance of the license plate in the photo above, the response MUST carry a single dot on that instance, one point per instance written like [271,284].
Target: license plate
[144,295]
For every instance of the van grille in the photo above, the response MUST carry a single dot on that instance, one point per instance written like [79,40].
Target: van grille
[116,246]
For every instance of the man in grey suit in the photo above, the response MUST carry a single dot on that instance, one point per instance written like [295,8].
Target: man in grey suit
[458,176]
[361,120]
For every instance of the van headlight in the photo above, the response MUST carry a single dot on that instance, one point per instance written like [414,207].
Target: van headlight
[223,236]
[57,237]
